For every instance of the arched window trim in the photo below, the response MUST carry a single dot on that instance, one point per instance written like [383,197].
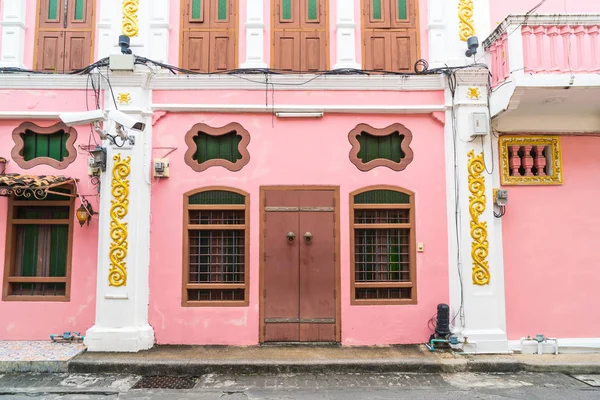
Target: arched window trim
[412,247]
[380,162]
[19,147]
[186,285]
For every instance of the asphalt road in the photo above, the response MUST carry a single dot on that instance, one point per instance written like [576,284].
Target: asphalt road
[302,386]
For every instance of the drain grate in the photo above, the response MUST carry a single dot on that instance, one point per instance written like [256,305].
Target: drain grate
[592,380]
[165,382]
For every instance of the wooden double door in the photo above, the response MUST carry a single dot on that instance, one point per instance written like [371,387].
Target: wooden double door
[300,273]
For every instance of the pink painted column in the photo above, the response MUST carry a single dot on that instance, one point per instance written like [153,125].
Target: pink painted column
[579,41]
[539,32]
[552,33]
[495,70]
[593,32]
[540,161]
[565,33]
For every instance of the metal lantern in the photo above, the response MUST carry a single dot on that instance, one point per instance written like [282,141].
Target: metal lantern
[84,212]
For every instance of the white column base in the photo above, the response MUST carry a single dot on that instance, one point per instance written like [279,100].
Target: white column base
[493,341]
[129,339]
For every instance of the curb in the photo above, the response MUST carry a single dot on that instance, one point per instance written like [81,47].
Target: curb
[49,367]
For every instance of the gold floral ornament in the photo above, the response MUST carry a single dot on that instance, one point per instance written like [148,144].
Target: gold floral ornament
[118,229]
[473,93]
[477,200]
[130,19]
[124,98]
[465,16]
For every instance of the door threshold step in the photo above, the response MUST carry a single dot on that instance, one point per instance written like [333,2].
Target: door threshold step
[300,344]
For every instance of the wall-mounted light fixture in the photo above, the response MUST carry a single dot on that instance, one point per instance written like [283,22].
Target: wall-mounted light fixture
[286,114]
[3,163]
[84,212]
[99,154]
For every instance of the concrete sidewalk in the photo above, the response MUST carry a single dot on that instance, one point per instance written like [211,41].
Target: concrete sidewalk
[199,360]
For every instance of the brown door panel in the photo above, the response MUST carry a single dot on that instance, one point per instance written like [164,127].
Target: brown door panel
[313,51]
[79,14]
[51,51]
[224,20]
[317,332]
[283,332]
[377,51]
[404,51]
[287,21]
[409,15]
[78,46]
[377,19]
[52,14]
[196,51]
[222,51]
[287,51]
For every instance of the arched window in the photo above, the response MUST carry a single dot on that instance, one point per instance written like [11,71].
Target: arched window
[390,35]
[215,259]
[382,234]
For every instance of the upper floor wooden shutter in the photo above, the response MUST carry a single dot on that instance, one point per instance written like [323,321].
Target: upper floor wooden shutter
[300,35]
[209,39]
[64,35]
[390,35]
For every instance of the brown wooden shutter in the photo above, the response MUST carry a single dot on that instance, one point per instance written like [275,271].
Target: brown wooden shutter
[64,36]
[300,35]
[77,50]
[390,38]
[209,35]
[51,48]
[196,51]
[287,51]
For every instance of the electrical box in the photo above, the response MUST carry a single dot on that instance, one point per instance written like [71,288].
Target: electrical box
[93,169]
[121,62]
[481,124]
[501,197]
[161,167]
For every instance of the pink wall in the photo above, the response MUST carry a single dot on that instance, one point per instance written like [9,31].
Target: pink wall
[550,240]
[36,320]
[501,9]
[296,152]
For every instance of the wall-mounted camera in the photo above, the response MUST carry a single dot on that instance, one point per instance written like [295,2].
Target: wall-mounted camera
[122,121]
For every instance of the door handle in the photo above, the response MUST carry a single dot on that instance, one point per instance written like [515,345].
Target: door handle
[308,236]
[290,236]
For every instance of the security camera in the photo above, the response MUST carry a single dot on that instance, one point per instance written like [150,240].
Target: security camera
[125,120]
[82,118]
[472,44]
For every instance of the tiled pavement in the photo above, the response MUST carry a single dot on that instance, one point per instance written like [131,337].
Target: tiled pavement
[37,356]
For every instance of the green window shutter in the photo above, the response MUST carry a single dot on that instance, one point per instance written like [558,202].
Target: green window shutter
[59,244]
[79,10]
[382,197]
[52,9]
[286,9]
[29,250]
[312,10]
[225,147]
[222,14]
[387,147]
[402,9]
[376,9]
[53,146]
[196,7]
[217,197]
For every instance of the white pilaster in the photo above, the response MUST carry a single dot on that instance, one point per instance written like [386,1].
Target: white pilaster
[437,21]
[109,27]
[122,311]
[158,30]
[481,323]
[13,34]
[255,28]
[345,35]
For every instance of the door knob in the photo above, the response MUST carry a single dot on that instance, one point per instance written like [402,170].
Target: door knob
[290,236]
[308,236]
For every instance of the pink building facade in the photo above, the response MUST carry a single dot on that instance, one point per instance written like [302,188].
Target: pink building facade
[329,173]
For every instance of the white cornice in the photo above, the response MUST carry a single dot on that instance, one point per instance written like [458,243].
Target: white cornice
[161,81]
[259,108]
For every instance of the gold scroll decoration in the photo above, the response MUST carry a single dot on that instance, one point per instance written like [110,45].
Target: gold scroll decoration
[118,229]
[465,16]
[130,25]
[477,200]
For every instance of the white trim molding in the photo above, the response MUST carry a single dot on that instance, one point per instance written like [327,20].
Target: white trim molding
[13,34]
[255,32]
[346,35]
[261,108]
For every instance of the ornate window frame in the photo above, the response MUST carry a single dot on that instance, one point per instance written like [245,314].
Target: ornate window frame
[505,142]
[209,130]
[380,162]
[411,226]
[17,150]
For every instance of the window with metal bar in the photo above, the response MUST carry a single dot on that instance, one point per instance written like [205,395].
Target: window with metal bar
[216,251]
[38,256]
[382,234]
